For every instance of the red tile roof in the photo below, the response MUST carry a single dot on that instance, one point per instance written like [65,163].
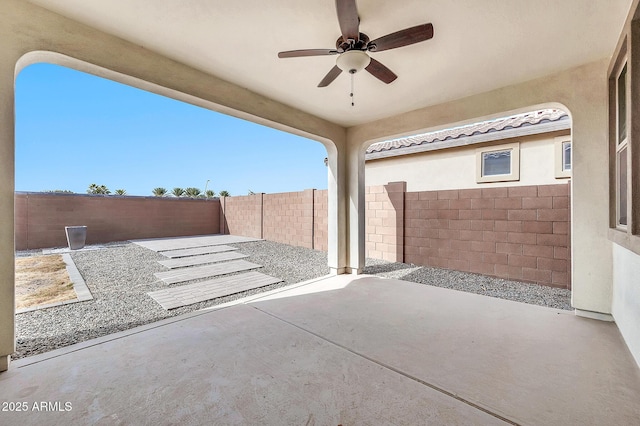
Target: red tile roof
[533,118]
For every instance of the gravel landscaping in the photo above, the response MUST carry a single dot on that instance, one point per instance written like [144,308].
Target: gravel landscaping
[120,275]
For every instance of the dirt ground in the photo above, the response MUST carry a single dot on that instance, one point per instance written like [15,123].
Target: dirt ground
[41,280]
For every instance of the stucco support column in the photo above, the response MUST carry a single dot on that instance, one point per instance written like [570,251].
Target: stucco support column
[7,286]
[591,251]
[356,207]
[336,208]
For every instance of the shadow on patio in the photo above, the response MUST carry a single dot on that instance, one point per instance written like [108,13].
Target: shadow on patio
[340,350]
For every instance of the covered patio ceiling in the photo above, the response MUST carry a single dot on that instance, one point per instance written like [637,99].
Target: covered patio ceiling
[477,46]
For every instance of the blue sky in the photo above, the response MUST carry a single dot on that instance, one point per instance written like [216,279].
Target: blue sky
[74,129]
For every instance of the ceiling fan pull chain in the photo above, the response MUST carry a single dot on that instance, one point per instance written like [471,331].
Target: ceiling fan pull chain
[352,98]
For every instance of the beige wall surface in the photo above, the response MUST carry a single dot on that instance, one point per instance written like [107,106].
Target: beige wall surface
[626,297]
[455,168]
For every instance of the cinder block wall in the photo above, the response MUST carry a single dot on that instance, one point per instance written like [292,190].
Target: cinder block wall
[242,215]
[288,218]
[320,220]
[385,221]
[519,233]
[41,218]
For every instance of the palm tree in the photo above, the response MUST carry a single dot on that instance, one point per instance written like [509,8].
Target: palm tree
[209,193]
[192,192]
[177,192]
[159,192]
[98,190]
[120,192]
[224,193]
[250,192]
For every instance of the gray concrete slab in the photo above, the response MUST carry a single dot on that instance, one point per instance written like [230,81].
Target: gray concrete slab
[173,254]
[530,364]
[189,294]
[175,243]
[231,366]
[207,271]
[341,350]
[201,260]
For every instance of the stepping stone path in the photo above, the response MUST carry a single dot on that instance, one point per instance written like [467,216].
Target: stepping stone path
[182,262]
[206,290]
[172,254]
[198,272]
[174,243]
[215,259]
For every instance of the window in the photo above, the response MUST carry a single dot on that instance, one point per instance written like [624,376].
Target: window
[498,163]
[563,157]
[621,142]
[624,140]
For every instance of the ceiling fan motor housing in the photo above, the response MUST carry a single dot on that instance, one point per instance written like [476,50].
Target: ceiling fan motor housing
[353,61]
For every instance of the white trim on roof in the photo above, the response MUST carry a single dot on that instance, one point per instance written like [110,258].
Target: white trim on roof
[524,130]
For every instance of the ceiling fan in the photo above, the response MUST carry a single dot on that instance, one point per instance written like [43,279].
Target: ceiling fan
[354,47]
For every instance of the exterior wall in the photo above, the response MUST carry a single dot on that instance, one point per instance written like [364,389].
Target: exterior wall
[582,92]
[295,218]
[320,222]
[519,233]
[288,218]
[242,215]
[626,243]
[41,218]
[385,221]
[455,168]
[626,297]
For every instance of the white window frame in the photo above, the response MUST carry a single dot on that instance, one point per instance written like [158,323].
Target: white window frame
[622,145]
[561,171]
[515,163]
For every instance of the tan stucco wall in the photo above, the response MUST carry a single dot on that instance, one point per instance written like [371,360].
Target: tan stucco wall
[455,168]
[626,297]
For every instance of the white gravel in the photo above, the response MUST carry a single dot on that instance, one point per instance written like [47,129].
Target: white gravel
[473,283]
[120,275]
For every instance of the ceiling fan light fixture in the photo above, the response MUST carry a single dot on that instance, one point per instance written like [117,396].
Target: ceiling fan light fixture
[353,61]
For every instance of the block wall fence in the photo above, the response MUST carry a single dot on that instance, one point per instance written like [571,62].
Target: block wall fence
[519,233]
[295,218]
[40,218]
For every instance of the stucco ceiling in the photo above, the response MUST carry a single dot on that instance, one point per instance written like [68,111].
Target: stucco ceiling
[478,45]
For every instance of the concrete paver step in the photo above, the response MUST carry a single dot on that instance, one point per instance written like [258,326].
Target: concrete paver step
[173,254]
[206,290]
[201,260]
[164,244]
[197,272]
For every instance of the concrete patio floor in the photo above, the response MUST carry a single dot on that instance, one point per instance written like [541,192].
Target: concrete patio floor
[340,350]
